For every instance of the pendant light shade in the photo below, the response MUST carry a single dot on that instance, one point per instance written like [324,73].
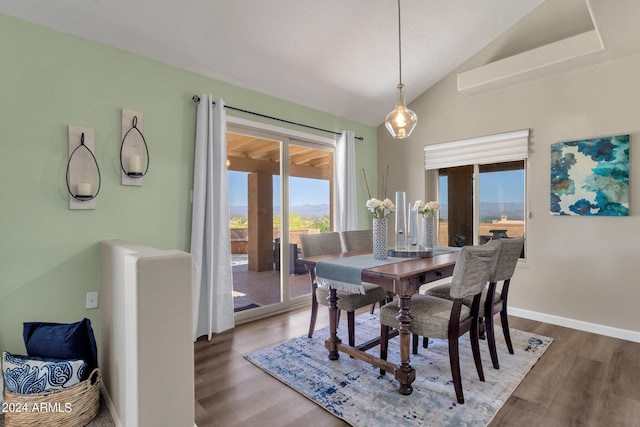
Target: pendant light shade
[401,121]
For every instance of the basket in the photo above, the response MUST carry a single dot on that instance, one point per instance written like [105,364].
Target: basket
[75,406]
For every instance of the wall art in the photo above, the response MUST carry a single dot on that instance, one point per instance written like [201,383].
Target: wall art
[590,177]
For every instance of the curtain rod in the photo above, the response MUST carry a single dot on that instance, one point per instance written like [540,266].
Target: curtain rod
[196,98]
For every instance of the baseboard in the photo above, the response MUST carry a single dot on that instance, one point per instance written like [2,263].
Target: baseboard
[624,334]
[111,406]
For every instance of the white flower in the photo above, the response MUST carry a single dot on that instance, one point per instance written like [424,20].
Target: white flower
[373,204]
[434,206]
[379,208]
[429,208]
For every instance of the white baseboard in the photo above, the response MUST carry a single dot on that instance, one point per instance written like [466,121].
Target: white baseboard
[111,406]
[624,334]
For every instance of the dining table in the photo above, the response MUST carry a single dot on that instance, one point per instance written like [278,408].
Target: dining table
[402,275]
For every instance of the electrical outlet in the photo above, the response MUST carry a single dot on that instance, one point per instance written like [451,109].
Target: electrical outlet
[92,300]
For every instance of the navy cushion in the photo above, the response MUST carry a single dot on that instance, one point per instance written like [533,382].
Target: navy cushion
[69,341]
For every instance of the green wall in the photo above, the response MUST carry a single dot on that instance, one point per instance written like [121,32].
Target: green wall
[49,80]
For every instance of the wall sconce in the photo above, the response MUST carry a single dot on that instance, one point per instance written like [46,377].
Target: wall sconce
[83,173]
[134,151]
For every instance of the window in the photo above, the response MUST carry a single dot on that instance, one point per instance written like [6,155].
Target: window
[481,186]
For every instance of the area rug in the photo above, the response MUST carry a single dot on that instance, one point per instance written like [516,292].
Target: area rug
[356,392]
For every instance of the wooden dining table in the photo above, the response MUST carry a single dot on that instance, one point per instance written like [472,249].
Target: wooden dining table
[403,278]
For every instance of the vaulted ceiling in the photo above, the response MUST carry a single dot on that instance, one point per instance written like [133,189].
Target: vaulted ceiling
[337,56]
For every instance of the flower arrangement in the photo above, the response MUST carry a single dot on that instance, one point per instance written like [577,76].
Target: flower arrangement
[428,208]
[379,207]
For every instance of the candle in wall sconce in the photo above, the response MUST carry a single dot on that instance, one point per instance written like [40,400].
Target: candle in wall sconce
[84,190]
[135,166]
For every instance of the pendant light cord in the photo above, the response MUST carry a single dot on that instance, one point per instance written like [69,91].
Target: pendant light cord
[399,44]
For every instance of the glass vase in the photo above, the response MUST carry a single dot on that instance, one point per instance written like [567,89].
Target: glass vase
[413,242]
[380,238]
[428,232]
[401,221]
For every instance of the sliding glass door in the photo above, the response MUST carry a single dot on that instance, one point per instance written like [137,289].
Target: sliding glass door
[272,202]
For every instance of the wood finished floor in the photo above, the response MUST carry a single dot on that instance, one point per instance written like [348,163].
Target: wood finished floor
[582,380]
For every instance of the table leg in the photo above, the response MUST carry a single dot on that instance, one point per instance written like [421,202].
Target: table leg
[406,374]
[332,343]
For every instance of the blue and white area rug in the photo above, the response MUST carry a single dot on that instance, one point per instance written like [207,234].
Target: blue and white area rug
[356,392]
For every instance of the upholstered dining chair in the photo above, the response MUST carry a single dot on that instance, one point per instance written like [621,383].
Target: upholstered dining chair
[445,319]
[327,244]
[492,301]
[357,240]
[360,240]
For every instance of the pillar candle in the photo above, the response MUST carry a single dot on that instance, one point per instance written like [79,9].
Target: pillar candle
[84,189]
[134,164]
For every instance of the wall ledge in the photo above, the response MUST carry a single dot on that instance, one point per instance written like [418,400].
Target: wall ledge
[544,61]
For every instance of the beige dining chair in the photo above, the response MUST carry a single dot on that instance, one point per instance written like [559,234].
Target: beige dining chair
[357,240]
[492,301]
[328,244]
[445,319]
[361,240]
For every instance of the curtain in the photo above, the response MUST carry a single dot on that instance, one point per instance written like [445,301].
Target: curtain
[347,203]
[210,236]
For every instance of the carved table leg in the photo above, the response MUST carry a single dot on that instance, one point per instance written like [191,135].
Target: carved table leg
[406,374]
[332,343]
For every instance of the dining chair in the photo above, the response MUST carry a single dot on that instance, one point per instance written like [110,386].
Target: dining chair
[327,244]
[448,319]
[492,301]
[361,240]
[357,240]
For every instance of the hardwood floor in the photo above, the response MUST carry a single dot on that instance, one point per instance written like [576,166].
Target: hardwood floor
[582,380]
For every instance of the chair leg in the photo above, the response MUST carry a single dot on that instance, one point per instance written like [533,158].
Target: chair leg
[314,316]
[351,320]
[414,346]
[454,360]
[338,315]
[425,342]
[373,308]
[384,344]
[505,327]
[491,340]
[475,349]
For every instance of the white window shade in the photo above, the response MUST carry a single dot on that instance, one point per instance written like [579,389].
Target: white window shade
[502,147]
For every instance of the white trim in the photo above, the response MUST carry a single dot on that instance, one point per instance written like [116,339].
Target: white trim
[502,147]
[580,325]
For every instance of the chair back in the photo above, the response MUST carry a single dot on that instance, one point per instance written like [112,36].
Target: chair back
[320,244]
[472,270]
[508,254]
[357,240]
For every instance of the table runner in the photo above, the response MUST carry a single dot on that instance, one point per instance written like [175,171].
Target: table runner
[345,274]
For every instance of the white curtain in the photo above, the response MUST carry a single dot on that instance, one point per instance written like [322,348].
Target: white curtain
[347,202]
[210,236]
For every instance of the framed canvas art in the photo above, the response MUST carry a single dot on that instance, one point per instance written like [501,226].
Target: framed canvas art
[590,177]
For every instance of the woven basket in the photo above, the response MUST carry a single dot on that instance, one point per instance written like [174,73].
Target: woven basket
[75,406]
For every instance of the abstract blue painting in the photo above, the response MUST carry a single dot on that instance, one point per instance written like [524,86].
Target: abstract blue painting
[590,177]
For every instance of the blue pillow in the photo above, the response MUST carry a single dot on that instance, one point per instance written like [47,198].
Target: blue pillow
[67,341]
[25,375]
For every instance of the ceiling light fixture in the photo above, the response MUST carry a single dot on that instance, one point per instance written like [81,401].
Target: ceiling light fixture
[401,121]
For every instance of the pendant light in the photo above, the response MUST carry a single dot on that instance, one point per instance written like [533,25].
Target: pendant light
[401,121]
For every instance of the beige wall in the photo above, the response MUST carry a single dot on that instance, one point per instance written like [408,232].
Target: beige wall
[581,269]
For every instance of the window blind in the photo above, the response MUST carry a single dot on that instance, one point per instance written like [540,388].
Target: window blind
[502,147]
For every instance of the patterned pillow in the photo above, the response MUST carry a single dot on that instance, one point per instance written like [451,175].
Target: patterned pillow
[27,375]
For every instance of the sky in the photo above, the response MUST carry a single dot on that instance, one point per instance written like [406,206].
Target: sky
[302,191]
[496,187]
